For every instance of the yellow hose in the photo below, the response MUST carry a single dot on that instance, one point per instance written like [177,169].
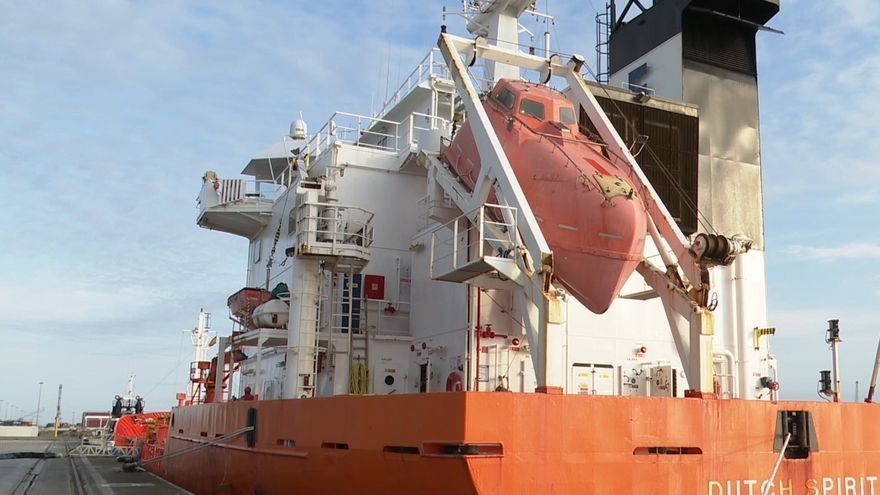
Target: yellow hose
[358,383]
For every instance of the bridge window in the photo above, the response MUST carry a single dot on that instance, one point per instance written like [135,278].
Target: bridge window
[505,97]
[566,115]
[532,108]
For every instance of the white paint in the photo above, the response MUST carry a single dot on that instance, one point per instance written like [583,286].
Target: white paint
[664,70]
[18,431]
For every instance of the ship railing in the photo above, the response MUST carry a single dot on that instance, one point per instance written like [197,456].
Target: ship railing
[636,88]
[380,313]
[463,241]
[421,122]
[226,191]
[359,130]
[432,65]
[372,133]
[333,229]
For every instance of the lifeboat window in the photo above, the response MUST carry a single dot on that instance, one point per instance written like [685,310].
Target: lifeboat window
[505,97]
[532,108]
[566,115]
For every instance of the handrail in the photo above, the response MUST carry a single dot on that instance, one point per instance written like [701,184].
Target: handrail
[338,225]
[500,220]
[360,130]
[422,72]
[226,191]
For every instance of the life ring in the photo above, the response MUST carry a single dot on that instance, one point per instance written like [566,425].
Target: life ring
[454,382]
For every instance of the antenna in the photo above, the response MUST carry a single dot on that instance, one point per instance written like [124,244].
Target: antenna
[130,395]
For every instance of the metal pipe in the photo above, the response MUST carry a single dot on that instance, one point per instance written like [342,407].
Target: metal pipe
[477,329]
[39,399]
[872,387]
[833,338]
[731,359]
[835,359]
[366,312]
[740,367]
[769,483]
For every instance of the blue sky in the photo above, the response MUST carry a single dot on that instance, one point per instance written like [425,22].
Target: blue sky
[110,114]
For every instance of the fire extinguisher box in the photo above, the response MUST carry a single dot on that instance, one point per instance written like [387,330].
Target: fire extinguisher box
[374,286]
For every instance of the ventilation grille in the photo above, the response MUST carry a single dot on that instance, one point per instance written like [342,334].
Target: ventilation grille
[674,139]
[718,41]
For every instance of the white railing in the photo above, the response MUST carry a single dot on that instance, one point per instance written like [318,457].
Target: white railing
[377,133]
[635,88]
[430,66]
[420,122]
[489,224]
[333,229]
[371,132]
[359,130]
[226,191]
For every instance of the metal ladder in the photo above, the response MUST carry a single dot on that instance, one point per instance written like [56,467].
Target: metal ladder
[603,40]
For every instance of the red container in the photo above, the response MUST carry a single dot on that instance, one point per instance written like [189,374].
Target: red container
[374,287]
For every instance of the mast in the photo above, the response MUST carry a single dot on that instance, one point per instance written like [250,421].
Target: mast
[58,411]
[130,394]
[834,339]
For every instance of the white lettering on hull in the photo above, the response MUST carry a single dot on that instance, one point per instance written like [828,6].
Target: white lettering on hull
[841,485]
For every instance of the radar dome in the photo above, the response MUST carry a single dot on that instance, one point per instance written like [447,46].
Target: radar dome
[298,129]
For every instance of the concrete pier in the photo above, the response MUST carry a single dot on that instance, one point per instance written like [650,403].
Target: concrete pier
[31,474]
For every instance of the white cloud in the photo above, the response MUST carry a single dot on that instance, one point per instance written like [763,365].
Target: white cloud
[849,251]
[860,198]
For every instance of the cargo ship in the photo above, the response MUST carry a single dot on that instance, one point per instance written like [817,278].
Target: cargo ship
[512,280]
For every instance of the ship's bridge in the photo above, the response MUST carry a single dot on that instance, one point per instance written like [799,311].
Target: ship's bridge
[421,108]
[236,206]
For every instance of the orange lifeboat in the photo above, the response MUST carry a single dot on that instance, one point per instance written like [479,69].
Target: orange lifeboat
[589,215]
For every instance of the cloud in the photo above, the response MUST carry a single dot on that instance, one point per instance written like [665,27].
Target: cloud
[110,116]
[798,323]
[849,251]
[860,198]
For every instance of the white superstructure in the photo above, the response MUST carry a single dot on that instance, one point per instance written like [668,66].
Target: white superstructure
[366,231]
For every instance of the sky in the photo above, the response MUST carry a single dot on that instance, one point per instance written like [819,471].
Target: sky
[111,111]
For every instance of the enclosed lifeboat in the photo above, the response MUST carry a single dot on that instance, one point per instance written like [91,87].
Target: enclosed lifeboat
[590,216]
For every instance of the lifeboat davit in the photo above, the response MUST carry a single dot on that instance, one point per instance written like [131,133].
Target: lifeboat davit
[590,216]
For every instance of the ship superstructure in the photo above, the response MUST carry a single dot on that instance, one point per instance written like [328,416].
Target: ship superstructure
[314,211]
[417,294]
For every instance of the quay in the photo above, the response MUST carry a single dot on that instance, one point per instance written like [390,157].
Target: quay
[41,466]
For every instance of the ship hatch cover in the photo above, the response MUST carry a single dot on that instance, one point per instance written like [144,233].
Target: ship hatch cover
[612,186]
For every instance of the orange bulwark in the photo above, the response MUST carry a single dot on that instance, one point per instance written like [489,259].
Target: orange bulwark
[505,443]
[146,432]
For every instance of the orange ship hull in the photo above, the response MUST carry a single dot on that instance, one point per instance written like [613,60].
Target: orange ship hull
[504,443]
